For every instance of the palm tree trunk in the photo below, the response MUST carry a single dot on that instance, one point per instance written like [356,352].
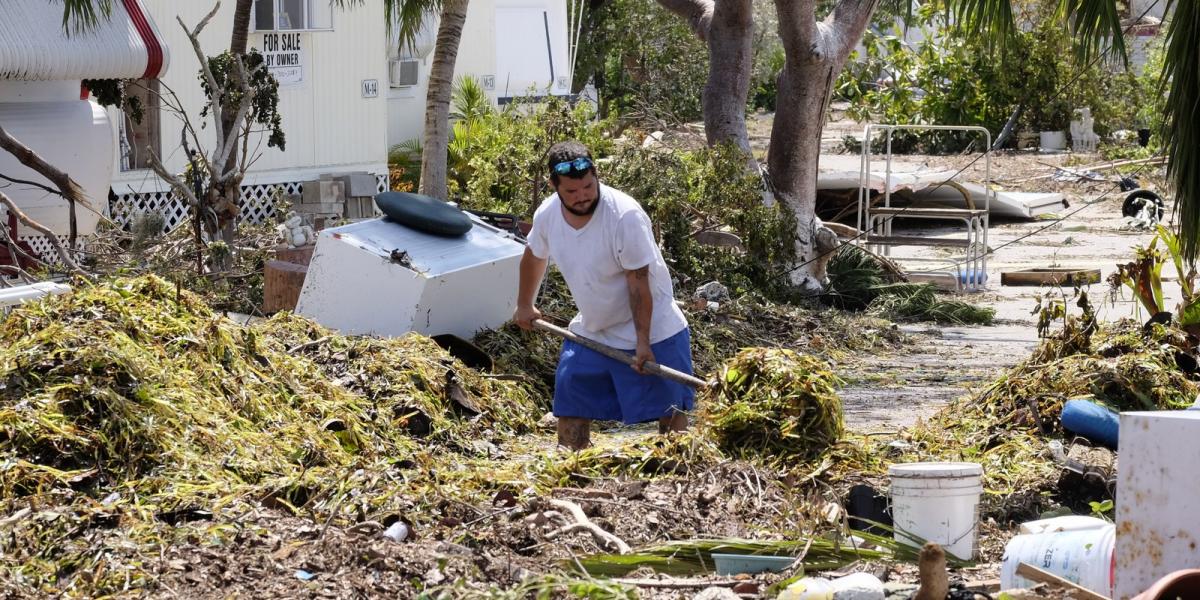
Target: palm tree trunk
[241,27]
[436,144]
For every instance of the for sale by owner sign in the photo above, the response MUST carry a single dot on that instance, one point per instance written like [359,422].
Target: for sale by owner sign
[284,57]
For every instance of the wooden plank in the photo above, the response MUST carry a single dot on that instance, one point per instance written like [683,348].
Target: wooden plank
[1037,575]
[300,255]
[1050,276]
[282,282]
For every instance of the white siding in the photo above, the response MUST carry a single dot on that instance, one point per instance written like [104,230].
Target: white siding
[329,126]
[477,57]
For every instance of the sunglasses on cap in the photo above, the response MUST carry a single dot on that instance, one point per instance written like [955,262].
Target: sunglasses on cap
[580,164]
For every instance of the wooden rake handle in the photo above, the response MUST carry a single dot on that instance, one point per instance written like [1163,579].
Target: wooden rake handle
[649,367]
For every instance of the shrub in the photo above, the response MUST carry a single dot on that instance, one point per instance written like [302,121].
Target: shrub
[498,158]
[647,64]
[955,79]
[685,192]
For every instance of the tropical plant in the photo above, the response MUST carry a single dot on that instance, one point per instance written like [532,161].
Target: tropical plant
[1143,277]
[469,100]
[497,158]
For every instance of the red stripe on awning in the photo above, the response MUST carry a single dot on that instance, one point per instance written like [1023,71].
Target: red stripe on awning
[154,51]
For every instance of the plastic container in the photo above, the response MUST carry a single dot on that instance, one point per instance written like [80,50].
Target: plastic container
[749,564]
[1066,523]
[858,586]
[937,502]
[809,588]
[1084,557]
[1091,421]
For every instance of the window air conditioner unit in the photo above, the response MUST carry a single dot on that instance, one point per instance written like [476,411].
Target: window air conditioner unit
[402,72]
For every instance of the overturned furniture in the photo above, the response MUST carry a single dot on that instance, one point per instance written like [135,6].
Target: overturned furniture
[967,268]
[382,278]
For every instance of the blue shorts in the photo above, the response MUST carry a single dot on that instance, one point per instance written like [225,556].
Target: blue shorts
[593,386]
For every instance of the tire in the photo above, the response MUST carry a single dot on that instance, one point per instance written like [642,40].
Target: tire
[1135,200]
[423,213]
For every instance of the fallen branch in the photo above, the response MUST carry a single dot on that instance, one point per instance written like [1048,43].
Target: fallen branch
[67,188]
[42,229]
[1037,575]
[15,518]
[583,493]
[583,523]
[1097,167]
[307,345]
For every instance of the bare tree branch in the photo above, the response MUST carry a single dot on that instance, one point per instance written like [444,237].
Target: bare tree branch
[177,184]
[194,36]
[40,186]
[67,187]
[42,229]
[698,13]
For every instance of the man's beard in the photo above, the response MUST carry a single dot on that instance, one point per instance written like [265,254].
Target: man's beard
[587,211]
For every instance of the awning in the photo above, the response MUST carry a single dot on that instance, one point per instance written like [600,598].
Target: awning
[34,46]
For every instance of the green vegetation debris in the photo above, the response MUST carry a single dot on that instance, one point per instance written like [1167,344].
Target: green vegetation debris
[857,281]
[775,405]
[132,400]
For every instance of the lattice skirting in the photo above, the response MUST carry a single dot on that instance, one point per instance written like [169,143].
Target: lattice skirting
[258,204]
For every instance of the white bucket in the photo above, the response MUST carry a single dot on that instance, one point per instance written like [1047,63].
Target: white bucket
[1051,141]
[937,502]
[1084,557]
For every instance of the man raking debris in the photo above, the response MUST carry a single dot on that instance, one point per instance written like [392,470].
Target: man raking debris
[602,242]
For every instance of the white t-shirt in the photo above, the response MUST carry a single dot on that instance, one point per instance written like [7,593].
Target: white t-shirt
[593,260]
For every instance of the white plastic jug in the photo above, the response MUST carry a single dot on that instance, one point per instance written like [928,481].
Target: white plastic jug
[1083,556]
[1064,523]
[809,588]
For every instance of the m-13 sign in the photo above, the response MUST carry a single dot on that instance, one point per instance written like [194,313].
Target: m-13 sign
[284,57]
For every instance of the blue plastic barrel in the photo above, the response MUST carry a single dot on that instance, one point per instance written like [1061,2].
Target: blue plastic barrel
[1091,421]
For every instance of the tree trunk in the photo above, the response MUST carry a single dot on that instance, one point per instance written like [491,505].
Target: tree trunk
[436,144]
[815,54]
[231,192]
[795,152]
[730,60]
[241,27]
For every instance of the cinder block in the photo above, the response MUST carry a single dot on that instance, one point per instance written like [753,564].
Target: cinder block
[358,183]
[320,208]
[323,191]
[360,207]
